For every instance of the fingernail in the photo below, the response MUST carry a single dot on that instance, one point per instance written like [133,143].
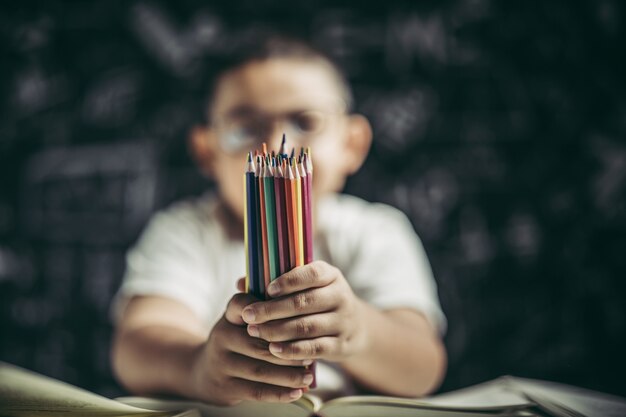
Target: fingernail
[274,348]
[307,362]
[296,393]
[273,289]
[248,315]
[308,378]
[253,331]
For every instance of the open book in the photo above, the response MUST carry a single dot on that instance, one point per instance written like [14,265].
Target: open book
[23,393]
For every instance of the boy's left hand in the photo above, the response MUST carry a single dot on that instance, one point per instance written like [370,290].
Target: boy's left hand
[313,314]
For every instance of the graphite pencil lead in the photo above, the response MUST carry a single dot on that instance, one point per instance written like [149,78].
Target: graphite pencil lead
[296,169]
[250,168]
[301,169]
[278,171]
[269,172]
[289,173]
[308,164]
[293,151]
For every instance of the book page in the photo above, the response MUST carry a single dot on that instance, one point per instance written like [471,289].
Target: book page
[491,395]
[25,393]
[488,397]
[339,409]
[566,400]
[303,407]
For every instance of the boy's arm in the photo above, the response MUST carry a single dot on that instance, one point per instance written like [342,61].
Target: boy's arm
[161,346]
[152,329]
[404,355]
[315,314]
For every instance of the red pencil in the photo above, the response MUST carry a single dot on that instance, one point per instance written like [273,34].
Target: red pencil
[281,224]
[307,218]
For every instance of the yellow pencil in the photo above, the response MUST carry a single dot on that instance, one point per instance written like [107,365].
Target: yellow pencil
[300,241]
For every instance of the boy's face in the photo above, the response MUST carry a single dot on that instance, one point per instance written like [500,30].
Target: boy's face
[264,99]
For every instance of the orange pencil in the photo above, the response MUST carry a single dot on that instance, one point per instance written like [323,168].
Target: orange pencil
[294,211]
[289,204]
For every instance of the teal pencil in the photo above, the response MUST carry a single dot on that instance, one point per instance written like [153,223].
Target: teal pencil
[270,216]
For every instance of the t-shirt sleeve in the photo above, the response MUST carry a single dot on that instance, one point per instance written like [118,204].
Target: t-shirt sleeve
[390,267]
[166,261]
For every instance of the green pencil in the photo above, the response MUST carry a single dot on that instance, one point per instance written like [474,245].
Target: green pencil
[270,217]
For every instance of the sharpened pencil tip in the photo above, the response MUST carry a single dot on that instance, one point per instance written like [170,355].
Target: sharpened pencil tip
[283,146]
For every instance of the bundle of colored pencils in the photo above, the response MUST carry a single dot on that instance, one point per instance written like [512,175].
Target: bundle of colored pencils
[278,229]
[278,223]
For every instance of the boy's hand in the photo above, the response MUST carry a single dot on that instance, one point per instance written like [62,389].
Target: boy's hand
[232,366]
[313,314]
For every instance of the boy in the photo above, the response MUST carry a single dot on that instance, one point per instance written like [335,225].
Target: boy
[367,310]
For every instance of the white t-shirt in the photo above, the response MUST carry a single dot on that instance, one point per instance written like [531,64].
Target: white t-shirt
[185,254]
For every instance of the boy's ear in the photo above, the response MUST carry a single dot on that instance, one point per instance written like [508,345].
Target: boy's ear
[201,143]
[358,142]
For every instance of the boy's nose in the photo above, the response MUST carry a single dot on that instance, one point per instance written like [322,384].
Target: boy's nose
[275,137]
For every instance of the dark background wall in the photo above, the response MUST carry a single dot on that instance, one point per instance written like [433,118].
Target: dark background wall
[499,129]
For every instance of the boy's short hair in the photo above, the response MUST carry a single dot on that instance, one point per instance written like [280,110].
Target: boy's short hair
[277,47]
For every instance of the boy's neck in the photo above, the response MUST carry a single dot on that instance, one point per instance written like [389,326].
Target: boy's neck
[233,226]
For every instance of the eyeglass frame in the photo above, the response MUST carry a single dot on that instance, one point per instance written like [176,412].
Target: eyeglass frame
[217,125]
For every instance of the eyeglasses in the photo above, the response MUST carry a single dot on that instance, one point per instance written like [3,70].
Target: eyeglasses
[247,128]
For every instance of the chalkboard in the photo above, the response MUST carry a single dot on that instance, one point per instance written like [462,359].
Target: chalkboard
[499,130]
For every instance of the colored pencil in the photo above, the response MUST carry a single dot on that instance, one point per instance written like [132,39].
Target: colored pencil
[293,202]
[270,218]
[281,224]
[266,265]
[307,212]
[298,198]
[278,221]
[250,237]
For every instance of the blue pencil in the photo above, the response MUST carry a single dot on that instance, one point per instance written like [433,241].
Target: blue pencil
[252,239]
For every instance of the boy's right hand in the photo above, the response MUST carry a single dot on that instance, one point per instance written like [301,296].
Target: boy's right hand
[232,366]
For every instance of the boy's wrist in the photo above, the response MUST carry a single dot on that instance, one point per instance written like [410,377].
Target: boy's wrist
[362,341]
[190,375]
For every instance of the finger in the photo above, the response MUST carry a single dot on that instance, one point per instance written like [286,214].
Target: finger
[322,347]
[311,301]
[236,305]
[313,275]
[257,391]
[250,369]
[237,340]
[241,284]
[303,327]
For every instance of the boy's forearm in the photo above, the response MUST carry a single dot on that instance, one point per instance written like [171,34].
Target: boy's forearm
[403,356]
[156,359]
